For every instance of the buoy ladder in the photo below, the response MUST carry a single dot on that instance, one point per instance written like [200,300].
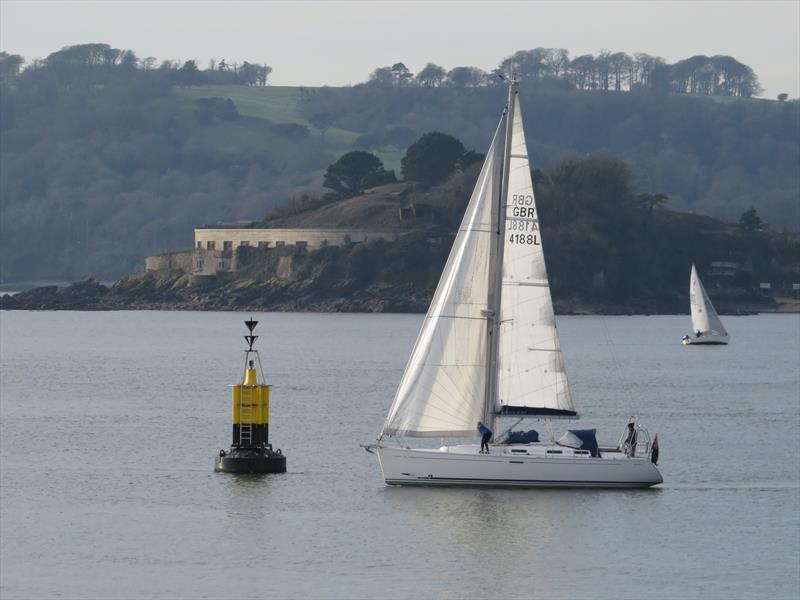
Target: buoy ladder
[246,402]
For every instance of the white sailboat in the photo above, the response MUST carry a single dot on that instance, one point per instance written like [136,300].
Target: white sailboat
[489,351]
[708,328]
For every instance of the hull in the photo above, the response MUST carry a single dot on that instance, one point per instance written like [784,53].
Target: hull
[515,466]
[707,339]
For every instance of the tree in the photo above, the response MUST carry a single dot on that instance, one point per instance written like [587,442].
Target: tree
[356,171]
[783,96]
[189,74]
[528,64]
[382,76]
[466,77]
[432,158]
[734,78]
[209,109]
[603,69]
[322,121]
[263,74]
[249,73]
[9,67]
[750,222]
[431,76]
[620,64]
[402,76]
[253,74]
[582,70]
[129,60]
[556,61]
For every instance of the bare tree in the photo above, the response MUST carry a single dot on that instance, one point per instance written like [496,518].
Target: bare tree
[603,69]
[582,72]
[617,63]
[556,60]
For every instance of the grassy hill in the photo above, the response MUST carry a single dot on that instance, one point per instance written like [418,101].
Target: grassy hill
[266,106]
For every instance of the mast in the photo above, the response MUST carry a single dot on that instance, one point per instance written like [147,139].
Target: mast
[496,270]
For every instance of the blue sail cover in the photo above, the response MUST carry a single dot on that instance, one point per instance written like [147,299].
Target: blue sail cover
[583,439]
[522,437]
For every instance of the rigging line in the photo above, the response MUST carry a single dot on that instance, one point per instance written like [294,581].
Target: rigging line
[617,368]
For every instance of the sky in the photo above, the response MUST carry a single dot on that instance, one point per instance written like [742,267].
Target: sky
[341,42]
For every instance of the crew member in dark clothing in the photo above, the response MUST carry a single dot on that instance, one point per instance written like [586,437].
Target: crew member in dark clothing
[486,435]
[630,440]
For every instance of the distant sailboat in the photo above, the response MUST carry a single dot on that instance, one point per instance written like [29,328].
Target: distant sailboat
[708,328]
[488,351]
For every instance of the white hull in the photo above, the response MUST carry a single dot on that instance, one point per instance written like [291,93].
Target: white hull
[707,339]
[523,465]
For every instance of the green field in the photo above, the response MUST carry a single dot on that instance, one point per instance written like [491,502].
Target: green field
[265,106]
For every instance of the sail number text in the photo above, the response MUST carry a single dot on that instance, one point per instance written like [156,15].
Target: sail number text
[522,220]
[521,238]
[521,200]
[522,225]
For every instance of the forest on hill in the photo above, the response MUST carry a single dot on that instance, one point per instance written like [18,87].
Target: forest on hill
[609,250]
[107,157]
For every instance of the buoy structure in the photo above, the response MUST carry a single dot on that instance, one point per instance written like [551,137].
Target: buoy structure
[250,450]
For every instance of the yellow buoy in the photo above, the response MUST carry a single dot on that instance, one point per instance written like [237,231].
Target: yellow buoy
[250,450]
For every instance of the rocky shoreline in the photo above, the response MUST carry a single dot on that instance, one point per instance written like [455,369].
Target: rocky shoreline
[172,292]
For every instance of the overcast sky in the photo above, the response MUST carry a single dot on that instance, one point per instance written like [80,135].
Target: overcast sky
[339,43]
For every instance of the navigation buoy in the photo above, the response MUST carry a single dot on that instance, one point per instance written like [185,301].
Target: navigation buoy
[250,450]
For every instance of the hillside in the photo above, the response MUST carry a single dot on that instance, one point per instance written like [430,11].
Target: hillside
[710,155]
[608,250]
[266,106]
[377,208]
[102,167]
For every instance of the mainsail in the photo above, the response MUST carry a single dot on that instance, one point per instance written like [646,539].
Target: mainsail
[704,317]
[443,388]
[531,379]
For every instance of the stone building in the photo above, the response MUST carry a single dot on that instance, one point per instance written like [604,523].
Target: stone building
[215,247]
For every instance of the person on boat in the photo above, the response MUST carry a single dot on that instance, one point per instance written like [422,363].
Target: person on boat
[699,333]
[486,435]
[629,445]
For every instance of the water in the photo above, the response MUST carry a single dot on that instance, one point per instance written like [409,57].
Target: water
[111,421]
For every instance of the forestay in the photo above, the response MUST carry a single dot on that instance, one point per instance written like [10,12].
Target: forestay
[443,387]
[531,378]
[704,317]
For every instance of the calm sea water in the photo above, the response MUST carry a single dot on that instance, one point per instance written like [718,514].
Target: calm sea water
[110,423]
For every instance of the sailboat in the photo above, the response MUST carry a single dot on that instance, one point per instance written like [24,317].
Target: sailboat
[708,329]
[488,351]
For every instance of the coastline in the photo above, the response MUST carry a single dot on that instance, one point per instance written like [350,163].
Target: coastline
[158,295]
